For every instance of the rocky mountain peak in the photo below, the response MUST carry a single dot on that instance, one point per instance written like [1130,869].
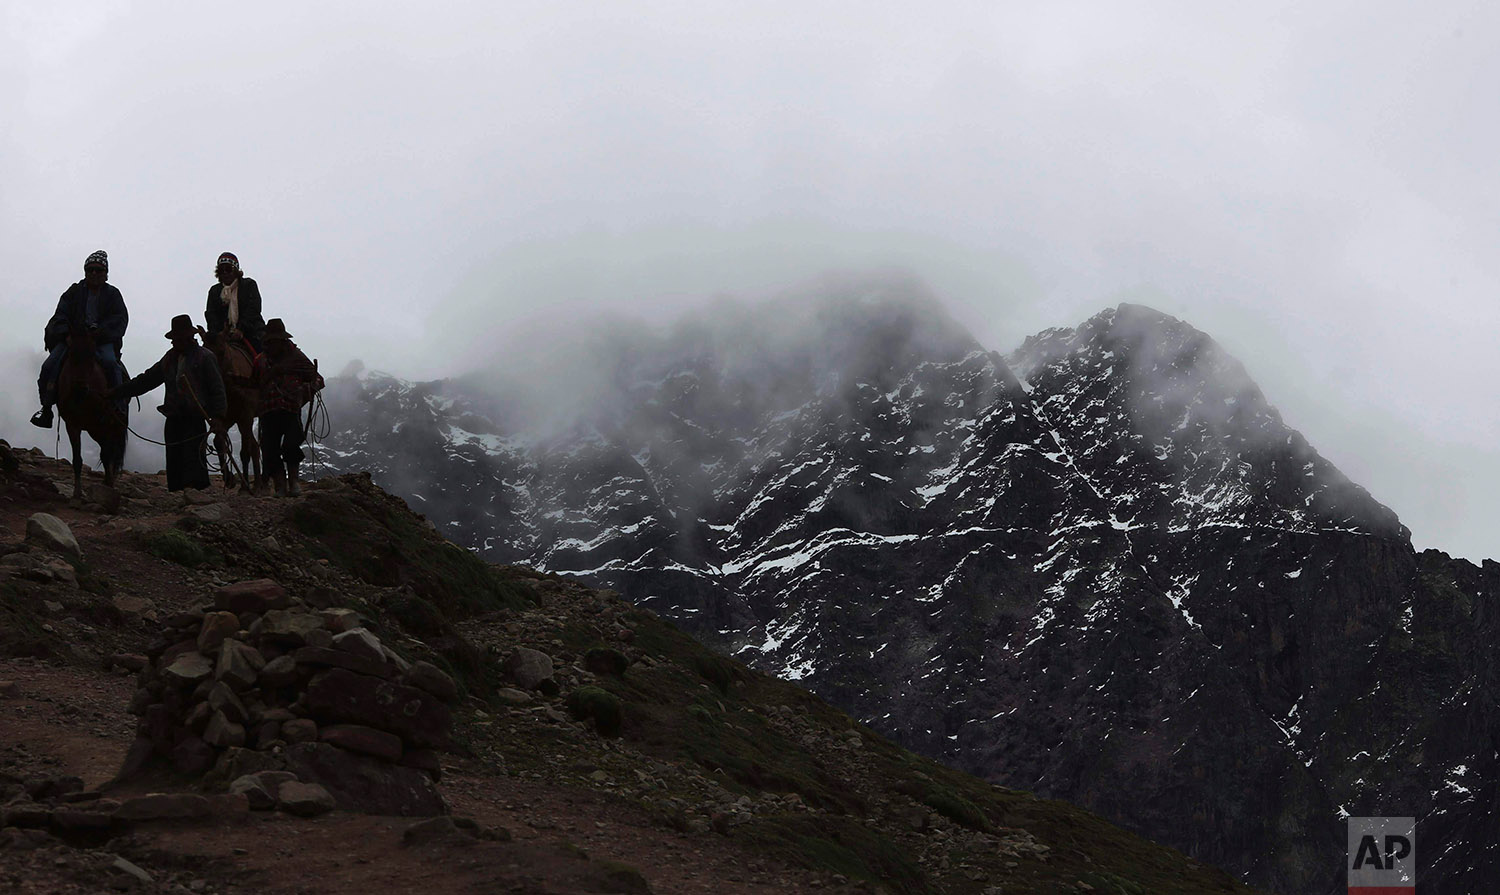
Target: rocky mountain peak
[1083,568]
[1144,396]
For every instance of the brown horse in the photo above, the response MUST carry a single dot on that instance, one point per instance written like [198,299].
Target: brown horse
[81,386]
[242,394]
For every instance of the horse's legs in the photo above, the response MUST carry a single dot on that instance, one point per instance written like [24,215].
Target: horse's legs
[225,450]
[74,441]
[251,446]
[247,445]
[113,456]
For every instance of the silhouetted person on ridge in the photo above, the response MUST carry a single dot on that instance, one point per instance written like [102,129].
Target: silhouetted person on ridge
[234,303]
[195,394]
[290,381]
[101,308]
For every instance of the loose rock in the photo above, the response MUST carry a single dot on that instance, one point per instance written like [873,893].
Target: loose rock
[51,533]
[529,667]
[304,799]
[427,676]
[260,595]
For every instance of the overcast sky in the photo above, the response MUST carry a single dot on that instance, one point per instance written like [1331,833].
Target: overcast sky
[1315,185]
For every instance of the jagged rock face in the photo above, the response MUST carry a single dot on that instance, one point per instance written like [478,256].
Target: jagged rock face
[1102,568]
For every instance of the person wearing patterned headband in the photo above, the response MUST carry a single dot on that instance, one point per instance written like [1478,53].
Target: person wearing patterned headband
[234,303]
[91,302]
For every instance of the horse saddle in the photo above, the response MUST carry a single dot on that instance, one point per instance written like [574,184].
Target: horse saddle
[241,365]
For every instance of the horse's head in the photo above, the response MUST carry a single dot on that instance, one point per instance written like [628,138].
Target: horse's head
[215,342]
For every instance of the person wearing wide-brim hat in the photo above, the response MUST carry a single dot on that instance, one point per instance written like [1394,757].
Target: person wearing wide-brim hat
[290,381]
[234,303]
[195,395]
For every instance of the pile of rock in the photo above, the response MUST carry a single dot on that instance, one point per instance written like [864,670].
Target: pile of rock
[257,682]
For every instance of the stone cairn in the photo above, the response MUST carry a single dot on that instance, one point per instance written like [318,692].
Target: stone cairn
[262,695]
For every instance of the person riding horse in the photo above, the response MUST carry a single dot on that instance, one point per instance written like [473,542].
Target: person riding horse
[234,303]
[195,394]
[100,308]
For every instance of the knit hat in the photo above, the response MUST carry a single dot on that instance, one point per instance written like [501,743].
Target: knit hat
[99,258]
[230,259]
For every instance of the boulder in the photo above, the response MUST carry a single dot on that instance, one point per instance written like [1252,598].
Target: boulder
[300,730]
[338,621]
[343,696]
[214,512]
[191,618]
[239,664]
[425,760]
[222,732]
[51,533]
[362,739]
[359,783]
[222,699]
[279,672]
[528,667]
[260,595]
[360,642]
[260,789]
[429,677]
[192,756]
[216,627]
[163,806]
[133,607]
[288,627]
[328,657]
[304,799]
[81,820]
[188,668]
[437,829]
[236,762]
[130,875]
[267,734]
[28,815]
[512,696]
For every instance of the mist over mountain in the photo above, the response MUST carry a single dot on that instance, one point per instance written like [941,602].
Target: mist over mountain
[1101,567]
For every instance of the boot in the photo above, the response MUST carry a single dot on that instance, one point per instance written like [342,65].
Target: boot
[278,483]
[42,419]
[292,489]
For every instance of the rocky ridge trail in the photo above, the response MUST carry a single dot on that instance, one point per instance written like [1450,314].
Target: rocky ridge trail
[592,746]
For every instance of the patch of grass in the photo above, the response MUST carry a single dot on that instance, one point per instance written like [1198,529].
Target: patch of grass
[601,706]
[1111,884]
[956,808]
[177,546]
[624,879]
[717,670]
[837,845]
[376,538]
[451,651]
[606,660]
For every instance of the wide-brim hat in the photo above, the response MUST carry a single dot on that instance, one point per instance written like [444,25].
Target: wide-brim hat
[182,327]
[276,330]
